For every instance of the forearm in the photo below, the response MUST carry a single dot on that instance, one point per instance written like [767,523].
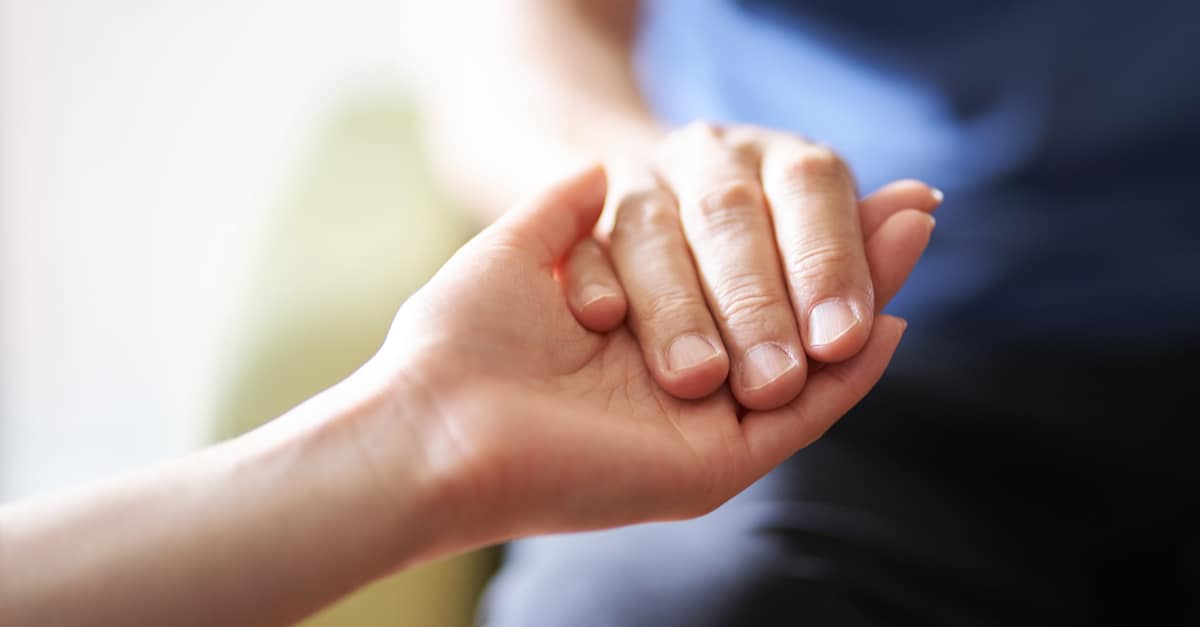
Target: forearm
[261,530]
[528,89]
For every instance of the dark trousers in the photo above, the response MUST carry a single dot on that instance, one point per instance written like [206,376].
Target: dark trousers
[1059,490]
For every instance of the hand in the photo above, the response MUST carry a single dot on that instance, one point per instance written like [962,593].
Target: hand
[740,244]
[533,424]
[489,413]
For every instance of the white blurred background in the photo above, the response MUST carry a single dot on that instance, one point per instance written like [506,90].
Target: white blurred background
[142,143]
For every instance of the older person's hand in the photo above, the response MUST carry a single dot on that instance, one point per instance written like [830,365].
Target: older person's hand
[742,245]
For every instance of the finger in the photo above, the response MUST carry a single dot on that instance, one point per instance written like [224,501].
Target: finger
[727,227]
[887,200]
[814,210]
[894,249]
[593,292]
[774,436]
[667,310]
[553,222]
[893,252]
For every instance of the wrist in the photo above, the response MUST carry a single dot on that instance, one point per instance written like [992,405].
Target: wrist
[353,454]
[409,457]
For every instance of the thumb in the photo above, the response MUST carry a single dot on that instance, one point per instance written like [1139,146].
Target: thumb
[558,218]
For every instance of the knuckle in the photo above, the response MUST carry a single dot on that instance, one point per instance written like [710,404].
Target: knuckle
[740,193]
[744,151]
[813,163]
[818,259]
[746,297]
[645,212]
[728,205]
[670,303]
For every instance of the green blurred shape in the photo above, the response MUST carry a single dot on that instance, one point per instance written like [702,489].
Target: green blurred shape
[363,228]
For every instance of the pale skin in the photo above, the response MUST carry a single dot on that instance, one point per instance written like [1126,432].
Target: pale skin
[489,413]
[737,252]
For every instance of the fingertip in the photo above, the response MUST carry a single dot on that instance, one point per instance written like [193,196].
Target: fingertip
[912,224]
[844,348]
[837,329]
[894,249]
[594,294]
[892,328]
[600,308]
[554,221]
[901,323]
[696,380]
[776,393]
[896,197]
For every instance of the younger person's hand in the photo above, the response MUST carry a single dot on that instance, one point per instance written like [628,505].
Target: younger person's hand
[743,253]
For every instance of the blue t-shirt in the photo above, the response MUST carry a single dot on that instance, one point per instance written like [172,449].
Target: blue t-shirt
[1066,135]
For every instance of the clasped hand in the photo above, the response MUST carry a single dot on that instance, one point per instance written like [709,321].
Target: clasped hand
[543,412]
[509,399]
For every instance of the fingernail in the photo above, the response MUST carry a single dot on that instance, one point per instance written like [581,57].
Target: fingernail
[765,363]
[689,351]
[938,196]
[592,293]
[830,320]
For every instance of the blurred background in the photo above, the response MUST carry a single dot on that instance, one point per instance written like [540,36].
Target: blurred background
[208,212]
